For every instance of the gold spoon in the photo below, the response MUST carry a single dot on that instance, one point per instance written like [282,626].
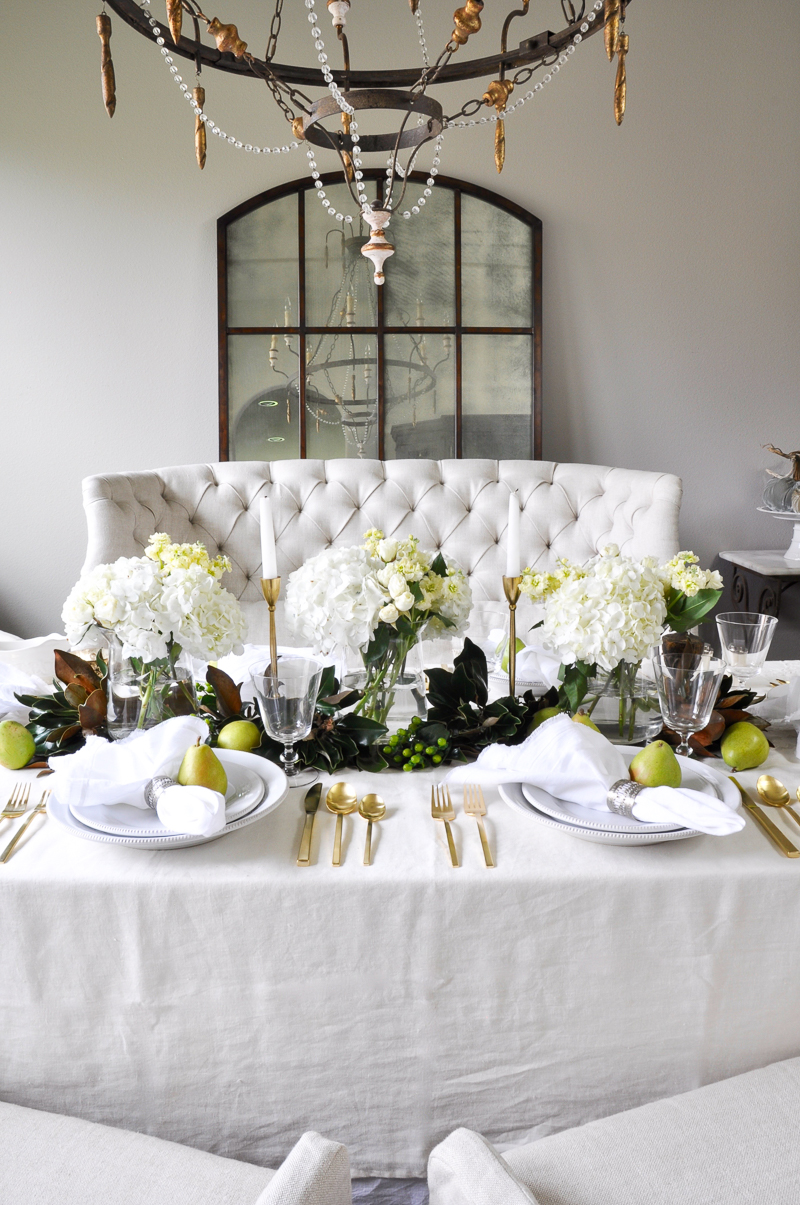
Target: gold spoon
[341,800]
[371,808]
[773,793]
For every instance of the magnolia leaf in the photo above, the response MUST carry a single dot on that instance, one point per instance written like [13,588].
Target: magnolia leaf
[70,668]
[59,736]
[715,727]
[93,713]
[228,694]
[75,694]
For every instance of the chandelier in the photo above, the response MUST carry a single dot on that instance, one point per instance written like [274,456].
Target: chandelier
[330,122]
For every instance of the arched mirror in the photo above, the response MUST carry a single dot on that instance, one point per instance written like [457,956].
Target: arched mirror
[444,360]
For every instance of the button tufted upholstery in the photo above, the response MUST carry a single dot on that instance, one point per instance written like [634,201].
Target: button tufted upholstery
[459,506]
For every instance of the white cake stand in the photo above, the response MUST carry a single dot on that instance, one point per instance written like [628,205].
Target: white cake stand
[792,553]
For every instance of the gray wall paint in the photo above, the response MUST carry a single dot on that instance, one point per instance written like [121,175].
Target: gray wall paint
[670,265]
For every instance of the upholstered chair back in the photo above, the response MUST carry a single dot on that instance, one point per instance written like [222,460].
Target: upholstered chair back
[458,506]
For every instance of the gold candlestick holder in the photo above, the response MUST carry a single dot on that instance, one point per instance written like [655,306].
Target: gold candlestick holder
[271,588]
[511,589]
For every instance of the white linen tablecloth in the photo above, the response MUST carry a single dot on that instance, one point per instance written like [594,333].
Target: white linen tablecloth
[222,997]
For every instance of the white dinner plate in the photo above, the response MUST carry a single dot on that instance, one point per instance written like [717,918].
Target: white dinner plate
[512,793]
[711,781]
[276,790]
[694,775]
[245,790]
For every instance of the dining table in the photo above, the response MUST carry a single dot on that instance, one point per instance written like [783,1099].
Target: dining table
[224,997]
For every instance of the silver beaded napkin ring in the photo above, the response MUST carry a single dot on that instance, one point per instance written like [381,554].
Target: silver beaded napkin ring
[622,796]
[156,788]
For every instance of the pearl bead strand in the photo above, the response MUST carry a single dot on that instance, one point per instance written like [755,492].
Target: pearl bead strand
[209,121]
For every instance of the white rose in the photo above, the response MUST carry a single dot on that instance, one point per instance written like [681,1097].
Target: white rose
[397,585]
[404,602]
[388,614]
[387,550]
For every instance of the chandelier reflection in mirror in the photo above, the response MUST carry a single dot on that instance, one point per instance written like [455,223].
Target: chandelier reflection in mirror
[333,122]
[315,361]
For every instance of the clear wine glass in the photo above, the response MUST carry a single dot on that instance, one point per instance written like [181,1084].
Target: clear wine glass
[745,637]
[286,701]
[687,682]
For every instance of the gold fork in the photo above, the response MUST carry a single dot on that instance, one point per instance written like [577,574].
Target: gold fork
[475,805]
[40,807]
[18,802]
[442,809]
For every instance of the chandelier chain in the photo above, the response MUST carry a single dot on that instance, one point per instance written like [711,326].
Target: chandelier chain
[274,32]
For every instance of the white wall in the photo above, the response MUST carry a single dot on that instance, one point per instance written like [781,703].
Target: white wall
[671,267]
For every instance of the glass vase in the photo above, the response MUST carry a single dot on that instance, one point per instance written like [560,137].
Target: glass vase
[393,686]
[624,705]
[142,694]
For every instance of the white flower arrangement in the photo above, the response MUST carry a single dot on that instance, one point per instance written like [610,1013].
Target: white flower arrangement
[611,611]
[171,598]
[380,599]
[341,595]
[614,609]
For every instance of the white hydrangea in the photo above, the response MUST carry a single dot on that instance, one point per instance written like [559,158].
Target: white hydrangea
[152,601]
[341,595]
[614,612]
[334,598]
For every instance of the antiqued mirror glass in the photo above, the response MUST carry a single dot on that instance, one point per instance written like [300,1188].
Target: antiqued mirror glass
[442,361]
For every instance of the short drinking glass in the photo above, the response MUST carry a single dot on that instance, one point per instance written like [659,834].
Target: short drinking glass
[745,637]
[286,701]
[687,684]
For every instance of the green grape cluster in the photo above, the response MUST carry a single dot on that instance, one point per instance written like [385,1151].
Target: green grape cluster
[408,749]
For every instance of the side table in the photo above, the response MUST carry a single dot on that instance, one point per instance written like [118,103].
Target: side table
[760,579]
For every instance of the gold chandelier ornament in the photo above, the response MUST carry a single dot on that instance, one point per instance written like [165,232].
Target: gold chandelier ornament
[107,64]
[402,98]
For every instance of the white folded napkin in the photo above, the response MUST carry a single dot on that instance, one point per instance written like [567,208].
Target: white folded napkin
[573,762]
[118,771]
[33,656]
[192,810]
[534,663]
[14,681]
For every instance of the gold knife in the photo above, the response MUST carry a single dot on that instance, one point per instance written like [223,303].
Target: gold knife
[768,828]
[310,803]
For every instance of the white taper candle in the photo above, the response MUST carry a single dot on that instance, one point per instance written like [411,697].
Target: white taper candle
[513,564]
[269,563]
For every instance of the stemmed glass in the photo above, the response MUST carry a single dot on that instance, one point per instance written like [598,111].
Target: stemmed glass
[286,701]
[745,637]
[687,680]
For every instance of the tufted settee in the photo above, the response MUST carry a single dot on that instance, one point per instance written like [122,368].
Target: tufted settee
[458,506]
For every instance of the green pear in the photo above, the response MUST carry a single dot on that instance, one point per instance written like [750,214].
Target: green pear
[520,645]
[239,734]
[656,766]
[17,746]
[743,746]
[581,717]
[202,768]
[545,713]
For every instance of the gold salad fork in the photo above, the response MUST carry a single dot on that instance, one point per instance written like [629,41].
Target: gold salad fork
[40,807]
[442,809]
[475,805]
[17,802]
